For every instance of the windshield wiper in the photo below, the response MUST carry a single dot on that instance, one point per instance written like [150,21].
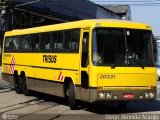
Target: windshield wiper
[113,66]
[141,65]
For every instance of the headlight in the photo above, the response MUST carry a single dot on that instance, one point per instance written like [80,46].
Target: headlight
[115,97]
[146,94]
[102,95]
[108,95]
[151,94]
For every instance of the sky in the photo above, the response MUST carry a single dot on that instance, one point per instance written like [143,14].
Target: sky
[147,11]
[148,14]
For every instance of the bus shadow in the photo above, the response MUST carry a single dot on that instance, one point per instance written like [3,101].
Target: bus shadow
[50,98]
[132,107]
[104,108]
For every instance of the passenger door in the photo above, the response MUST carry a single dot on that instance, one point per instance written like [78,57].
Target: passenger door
[84,91]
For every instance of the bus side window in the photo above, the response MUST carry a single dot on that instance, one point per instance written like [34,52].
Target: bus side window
[16,43]
[67,37]
[45,41]
[74,43]
[85,42]
[71,42]
[25,42]
[53,40]
[59,41]
[34,44]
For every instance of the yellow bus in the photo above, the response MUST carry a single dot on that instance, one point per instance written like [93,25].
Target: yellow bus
[88,60]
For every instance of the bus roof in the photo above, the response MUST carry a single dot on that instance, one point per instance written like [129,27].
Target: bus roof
[90,23]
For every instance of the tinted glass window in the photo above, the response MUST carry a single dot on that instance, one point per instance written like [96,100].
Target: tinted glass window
[8,43]
[25,44]
[122,47]
[74,43]
[60,41]
[54,38]
[71,40]
[45,41]
[35,42]
[16,43]
[58,45]
[67,40]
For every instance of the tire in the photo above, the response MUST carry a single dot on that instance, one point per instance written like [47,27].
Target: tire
[25,89]
[18,84]
[71,97]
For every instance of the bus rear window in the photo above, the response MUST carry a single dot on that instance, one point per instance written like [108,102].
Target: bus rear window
[8,44]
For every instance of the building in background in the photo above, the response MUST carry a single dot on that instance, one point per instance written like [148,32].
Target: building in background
[103,12]
[32,13]
[122,10]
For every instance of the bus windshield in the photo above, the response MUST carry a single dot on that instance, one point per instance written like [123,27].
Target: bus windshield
[122,47]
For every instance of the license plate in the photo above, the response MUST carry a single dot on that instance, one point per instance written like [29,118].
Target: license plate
[128,96]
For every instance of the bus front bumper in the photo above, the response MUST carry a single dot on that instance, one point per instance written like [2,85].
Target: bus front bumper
[122,95]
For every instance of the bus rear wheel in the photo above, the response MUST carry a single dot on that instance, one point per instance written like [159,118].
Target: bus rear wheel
[18,84]
[25,89]
[71,97]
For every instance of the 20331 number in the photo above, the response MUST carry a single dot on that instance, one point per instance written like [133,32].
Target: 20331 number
[107,76]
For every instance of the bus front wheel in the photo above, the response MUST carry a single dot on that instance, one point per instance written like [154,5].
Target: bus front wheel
[71,97]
